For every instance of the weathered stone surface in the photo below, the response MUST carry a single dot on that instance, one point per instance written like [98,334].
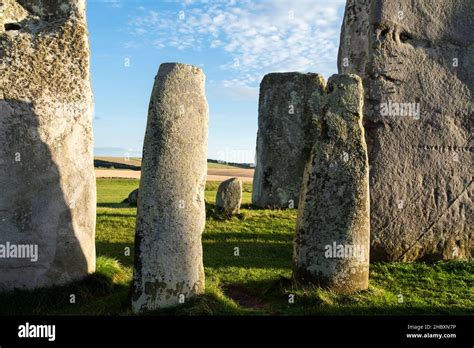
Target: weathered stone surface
[229,197]
[418,55]
[332,240]
[47,181]
[133,198]
[353,51]
[171,212]
[284,137]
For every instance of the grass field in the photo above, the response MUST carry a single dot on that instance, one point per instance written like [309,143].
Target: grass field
[137,161]
[255,283]
[211,165]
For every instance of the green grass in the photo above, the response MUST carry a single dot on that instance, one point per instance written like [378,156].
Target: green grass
[255,283]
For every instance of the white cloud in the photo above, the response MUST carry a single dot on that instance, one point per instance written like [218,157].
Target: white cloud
[113,3]
[235,89]
[258,37]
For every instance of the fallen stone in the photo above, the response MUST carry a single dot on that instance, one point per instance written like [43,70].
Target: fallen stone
[331,248]
[229,197]
[133,198]
[171,213]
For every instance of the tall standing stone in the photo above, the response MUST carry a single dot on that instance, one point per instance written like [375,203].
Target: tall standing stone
[332,240]
[284,138]
[171,213]
[47,181]
[353,49]
[417,61]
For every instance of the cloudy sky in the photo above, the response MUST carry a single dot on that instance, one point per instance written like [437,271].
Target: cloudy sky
[235,42]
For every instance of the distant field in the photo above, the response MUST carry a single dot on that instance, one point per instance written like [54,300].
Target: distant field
[258,282]
[211,165]
[137,161]
[215,171]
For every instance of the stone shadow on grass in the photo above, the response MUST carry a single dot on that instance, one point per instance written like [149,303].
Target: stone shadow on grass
[251,254]
[245,236]
[116,251]
[114,205]
[95,291]
[107,214]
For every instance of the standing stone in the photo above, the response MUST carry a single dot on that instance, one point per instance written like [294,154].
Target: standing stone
[331,247]
[229,197]
[284,138]
[47,181]
[416,59]
[353,51]
[171,213]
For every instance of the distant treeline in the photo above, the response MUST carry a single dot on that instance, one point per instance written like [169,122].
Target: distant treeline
[240,165]
[115,165]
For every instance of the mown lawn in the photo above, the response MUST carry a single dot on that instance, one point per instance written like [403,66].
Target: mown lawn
[257,282]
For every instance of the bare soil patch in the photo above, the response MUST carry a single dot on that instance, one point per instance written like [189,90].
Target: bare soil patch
[246,175]
[243,296]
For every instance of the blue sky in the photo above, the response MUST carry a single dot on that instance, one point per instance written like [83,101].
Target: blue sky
[235,42]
